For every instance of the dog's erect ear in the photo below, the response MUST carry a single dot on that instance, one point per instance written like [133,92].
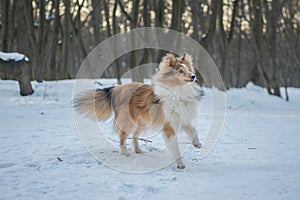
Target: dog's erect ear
[183,56]
[168,61]
[186,57]
[170,58]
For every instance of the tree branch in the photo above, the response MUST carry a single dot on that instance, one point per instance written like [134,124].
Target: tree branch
[124,11]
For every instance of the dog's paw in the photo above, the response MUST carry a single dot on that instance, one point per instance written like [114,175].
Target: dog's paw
[138,150]
[125,153]
[197,145]
[180,166]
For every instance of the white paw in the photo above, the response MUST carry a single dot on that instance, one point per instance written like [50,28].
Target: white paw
[125,153]
[180,166]
[138,150]
[197,145]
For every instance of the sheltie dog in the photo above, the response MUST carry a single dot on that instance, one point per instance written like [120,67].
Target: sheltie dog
[171,101]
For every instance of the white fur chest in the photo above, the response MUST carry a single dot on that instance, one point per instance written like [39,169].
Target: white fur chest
[180,103]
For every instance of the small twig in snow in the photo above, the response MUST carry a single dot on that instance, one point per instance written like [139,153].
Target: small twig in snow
[59,159]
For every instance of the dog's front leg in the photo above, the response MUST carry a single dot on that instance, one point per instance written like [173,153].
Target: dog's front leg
[191,132]
[172,144]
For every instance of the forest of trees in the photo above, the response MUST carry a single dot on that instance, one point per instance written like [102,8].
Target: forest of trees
[249,40]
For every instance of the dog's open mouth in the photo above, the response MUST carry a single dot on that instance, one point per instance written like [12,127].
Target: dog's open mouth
[191,80]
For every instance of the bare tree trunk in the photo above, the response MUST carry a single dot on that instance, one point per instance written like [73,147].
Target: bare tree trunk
[159,6]
[66,41]
[196,12]
[226,39]
[96,20]
[106,10]
[76,29]
[22,43]
[39,59]
[53,47]
[146,17]
[177,10]
[114,28]
[33,42]
[5,24]
[262,51]
[134,61]
[272,15]
[11,28]
[215,7]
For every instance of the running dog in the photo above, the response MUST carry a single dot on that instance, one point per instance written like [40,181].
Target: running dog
[170,101]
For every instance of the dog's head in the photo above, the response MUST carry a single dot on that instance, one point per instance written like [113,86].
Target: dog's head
[178,70]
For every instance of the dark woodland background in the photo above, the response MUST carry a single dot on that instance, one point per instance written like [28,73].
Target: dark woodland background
[249,40]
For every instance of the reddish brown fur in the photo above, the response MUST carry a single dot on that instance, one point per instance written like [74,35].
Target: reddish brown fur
[136,107]
[168,130]
[123,137]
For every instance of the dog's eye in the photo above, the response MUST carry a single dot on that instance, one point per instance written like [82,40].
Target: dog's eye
[180,71]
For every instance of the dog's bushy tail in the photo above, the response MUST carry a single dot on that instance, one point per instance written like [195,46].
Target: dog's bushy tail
[95,104]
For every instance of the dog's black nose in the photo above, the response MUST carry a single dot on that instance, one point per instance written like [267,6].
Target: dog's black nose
[193,76]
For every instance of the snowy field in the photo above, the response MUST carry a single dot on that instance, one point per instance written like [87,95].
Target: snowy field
[42,157]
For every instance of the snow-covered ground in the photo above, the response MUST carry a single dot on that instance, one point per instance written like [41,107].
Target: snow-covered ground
[42,157]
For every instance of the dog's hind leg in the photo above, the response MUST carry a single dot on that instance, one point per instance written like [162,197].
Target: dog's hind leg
[191,132]
[172,144]
[123,147]
[137,148]
[135,141]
